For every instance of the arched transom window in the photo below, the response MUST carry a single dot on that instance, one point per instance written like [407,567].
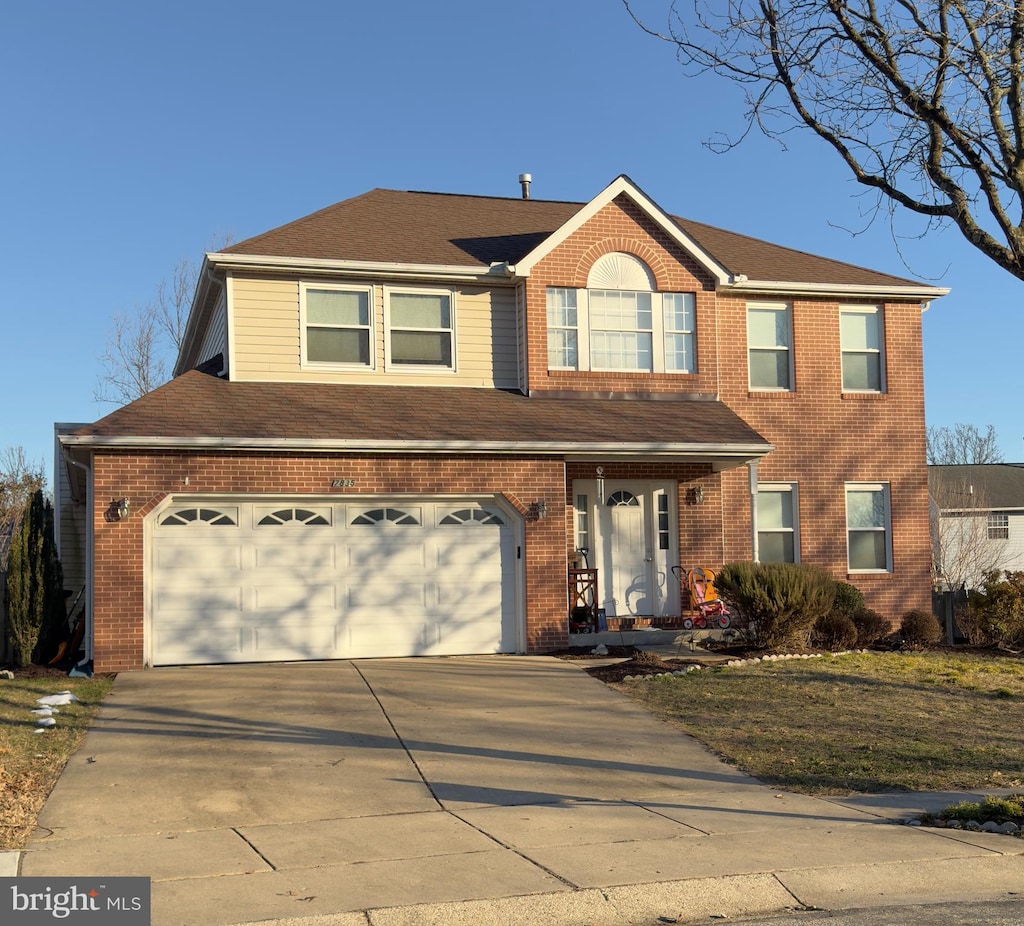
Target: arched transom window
[620,322]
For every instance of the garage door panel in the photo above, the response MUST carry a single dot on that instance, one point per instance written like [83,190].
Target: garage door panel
[387,554]
[472,550]
[468,598]
[385,637]
[204,599]
[372,597]
[296,597]
[296,556]
[186,642]
[292,580]
[292,639]
[202,556]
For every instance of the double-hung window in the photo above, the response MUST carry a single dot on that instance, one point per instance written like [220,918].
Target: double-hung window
[998,524]
[563,349]
[868,527]
[621,330]
[861,340]
[678,310]
[769,343]
[337,325]
[612,330]
[420,328]
[778,535]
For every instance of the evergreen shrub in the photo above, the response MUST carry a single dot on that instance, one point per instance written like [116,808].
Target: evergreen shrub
[781,601]
[920,629]
[995,613]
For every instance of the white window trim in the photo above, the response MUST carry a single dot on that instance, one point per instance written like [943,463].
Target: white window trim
[879,314]
[998,521]
[882,487]
[786,307]
[584,333]
[794,493]
[419,368]
[574,328]
[304,361]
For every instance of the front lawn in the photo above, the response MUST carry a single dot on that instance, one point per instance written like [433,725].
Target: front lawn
[31,762]
[857,722]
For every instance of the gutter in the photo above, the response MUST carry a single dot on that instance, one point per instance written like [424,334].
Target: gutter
[926,293]
[496,273]
[603,448]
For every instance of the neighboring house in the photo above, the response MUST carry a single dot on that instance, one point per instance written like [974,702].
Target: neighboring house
[397,422]
[977,522]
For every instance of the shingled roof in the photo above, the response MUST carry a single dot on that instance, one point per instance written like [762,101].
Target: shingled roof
[978,486]
[392,226]
[199,410]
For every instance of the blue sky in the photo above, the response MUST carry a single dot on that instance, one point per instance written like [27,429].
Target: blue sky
[134,135]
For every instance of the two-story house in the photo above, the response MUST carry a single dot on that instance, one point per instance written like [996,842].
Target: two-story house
[397,422]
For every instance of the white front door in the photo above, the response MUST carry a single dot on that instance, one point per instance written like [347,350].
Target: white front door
[631,538]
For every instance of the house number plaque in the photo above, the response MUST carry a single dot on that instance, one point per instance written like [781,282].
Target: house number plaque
[342,483]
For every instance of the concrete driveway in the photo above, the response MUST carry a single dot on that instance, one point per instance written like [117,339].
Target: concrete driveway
[504,789]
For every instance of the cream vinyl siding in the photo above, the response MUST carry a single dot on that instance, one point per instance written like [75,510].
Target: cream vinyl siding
[71,519]
[215,341]
[267,337]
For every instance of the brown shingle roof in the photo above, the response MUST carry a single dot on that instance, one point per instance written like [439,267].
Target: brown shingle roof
[451,229]
[979,486]
[196,407]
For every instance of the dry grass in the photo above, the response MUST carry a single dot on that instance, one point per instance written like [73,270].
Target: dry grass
[859,722]
[31,762]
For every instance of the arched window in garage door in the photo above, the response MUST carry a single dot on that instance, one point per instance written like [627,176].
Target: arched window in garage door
[472,516]
[386,516]
[283,516]
[212,516]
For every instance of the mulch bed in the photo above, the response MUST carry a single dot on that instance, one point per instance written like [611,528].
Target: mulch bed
[637,662]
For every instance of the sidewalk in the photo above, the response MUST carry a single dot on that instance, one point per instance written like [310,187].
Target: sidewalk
[503,790]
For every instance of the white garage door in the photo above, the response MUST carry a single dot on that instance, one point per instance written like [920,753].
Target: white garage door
[243,581]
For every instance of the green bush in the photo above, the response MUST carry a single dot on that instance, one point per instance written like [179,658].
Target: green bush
[781,601]
[995,613]
[872,628]
[34,587]
[834,631]
[920,628]
[849,600]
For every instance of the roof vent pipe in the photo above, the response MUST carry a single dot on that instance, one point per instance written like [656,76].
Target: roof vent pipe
[524,180]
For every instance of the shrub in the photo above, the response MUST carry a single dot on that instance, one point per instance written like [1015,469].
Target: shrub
[781,601]
[34,586]
[872,628]
[995,613]
[834,631]
[849,600]
[920,628]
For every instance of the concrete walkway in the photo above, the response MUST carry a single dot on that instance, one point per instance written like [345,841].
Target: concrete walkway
[497,790]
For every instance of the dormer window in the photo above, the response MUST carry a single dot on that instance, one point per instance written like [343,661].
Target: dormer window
[337,326]
[620,323]
[420,328]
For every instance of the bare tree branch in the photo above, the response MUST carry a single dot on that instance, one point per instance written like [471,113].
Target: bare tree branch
[963,444]
[923,100]
[19,480]
[142,347]
[131,363]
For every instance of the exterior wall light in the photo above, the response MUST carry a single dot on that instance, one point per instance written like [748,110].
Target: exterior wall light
[697,495]
[123,508]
